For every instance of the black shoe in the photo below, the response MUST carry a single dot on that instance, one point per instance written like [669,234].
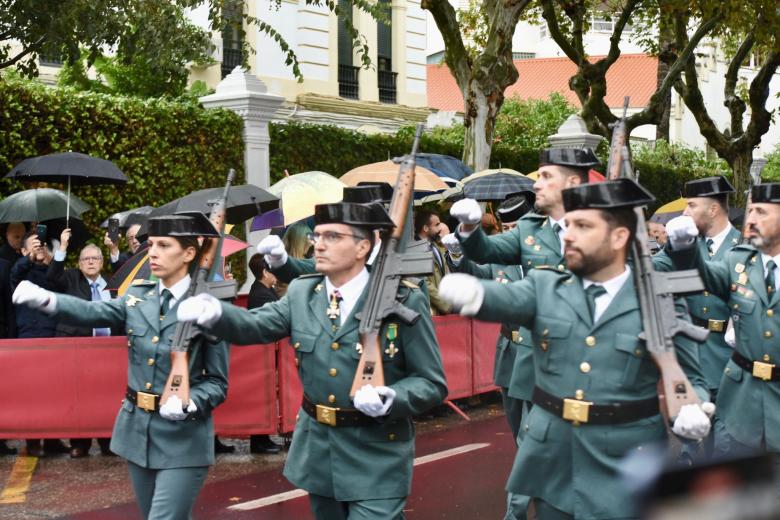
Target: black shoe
[54,447]
[78,453]
[263,444]
[34,448]
[5,449]
[219,447]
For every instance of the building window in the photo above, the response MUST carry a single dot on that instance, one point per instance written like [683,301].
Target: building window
[349,87]
[384,47]
[232,37]
[523,55]
[607,25]
[543,30]
[50,60]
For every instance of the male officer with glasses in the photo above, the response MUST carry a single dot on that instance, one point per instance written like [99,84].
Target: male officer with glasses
[353,456]
[595,399]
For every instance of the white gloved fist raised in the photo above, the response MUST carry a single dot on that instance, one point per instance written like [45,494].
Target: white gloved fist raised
[272,249]
[682,232]
[173,409]
[693,421]
[467,211]
[452,244]
[35,297]
[464,292]
[368,400]
[203,309]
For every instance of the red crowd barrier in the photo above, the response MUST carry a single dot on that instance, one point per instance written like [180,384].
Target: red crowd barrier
[72,387]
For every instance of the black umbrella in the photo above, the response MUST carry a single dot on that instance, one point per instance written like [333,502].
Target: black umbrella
[496,185]
[40,204]
[68,167]
[129,217]
[79,232]
[444,165]
[244,202]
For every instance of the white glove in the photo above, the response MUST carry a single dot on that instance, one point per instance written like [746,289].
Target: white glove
[682,232]
[273,250]
[467,211]
[464,292]
[730,337]
[203,309]
[35,297]
[369,400]
[173,409]
[452,244]
[693,421]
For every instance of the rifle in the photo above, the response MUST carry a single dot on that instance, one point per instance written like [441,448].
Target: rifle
[397,257]
[178,382]
[655,291]
[755,180]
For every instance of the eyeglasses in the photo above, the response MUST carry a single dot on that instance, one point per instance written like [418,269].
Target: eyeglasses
[329,237]
[91,259]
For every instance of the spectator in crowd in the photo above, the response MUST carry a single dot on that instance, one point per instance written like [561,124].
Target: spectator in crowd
[489,224]
[657,232]
[118,258]
[11,251]
[7,324]
[84,282]
[33,323]
[263,291]
[297,246]
[427,226]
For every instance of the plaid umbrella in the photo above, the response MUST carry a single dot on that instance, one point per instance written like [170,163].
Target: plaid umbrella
[495,184]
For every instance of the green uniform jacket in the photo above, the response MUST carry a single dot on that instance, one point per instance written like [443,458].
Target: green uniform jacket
[347,463]
[713,353]
[293,268]
[514,367]
[575,468]
[146,438]
[747,406]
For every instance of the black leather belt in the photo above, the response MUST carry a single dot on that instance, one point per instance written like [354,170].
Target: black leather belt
[758,369]
[510,334]
[578,411]
[336,416]
[143,400]
[710,325]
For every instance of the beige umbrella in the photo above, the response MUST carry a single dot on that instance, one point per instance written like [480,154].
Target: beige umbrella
[299,193]
[387,171]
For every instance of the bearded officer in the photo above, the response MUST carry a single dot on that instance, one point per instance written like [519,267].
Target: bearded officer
[170,447]
[747,279]
[595,399]
[707,203]
[354,457]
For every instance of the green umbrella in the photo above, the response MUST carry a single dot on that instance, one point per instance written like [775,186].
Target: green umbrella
[40,204]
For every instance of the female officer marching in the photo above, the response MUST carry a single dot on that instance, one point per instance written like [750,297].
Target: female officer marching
[168,446]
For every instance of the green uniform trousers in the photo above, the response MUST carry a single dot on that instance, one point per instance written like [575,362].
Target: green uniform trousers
[167,494]
[327,508]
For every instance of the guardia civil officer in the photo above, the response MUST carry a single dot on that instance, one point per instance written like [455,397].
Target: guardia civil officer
[707,204]
[354,457]
[746,277]
[595,399]
[170,447]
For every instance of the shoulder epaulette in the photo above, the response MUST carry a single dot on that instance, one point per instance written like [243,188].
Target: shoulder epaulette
[141,281]
[744,248]
[533,216]
[553,268]
[310,275]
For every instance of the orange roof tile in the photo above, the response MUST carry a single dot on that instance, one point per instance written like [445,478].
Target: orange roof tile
[632,75]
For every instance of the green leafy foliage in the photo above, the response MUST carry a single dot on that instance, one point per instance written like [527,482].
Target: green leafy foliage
[771,172]
[528,123]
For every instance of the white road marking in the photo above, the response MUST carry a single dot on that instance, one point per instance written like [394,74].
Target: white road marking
[297,493]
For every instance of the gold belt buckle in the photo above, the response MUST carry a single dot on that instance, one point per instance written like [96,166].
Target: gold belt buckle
[762,370]
[145,401]
[326,415]
[576,411]
[716,325]
[515,336]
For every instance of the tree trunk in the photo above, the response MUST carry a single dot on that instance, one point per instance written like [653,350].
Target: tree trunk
[740,166]
[479,118]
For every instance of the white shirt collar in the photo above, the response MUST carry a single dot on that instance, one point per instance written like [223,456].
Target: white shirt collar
[613,285]
[561,222]
[765,260]
[718,239]
[350,292]
[177,290]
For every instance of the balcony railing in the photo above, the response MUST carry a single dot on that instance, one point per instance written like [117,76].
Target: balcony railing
[231,58]
[387,90]
[348,81]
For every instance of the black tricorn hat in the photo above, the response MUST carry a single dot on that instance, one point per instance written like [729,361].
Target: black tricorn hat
[371,215]
[707,187]
[514,206]
[571,157]
[190,224]
[620,193]
[367,192]
[769,192]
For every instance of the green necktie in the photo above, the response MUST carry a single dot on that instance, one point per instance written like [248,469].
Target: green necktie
[710,243]
[591,293]
[165,301]
[770,276]
[557,230]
